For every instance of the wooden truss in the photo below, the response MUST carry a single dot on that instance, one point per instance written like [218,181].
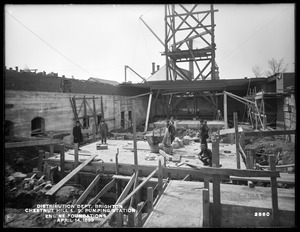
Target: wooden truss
[186,29]
[85,104]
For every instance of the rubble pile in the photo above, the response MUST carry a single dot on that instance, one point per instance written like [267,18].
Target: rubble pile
[277,145]
[22,191]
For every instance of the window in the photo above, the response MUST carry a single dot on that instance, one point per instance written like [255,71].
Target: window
[86,122]
[37,126]
[8,128]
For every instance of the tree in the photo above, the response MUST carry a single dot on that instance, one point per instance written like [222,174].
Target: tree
[257,70]
[276,66]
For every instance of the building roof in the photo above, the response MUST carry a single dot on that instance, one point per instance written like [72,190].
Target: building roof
[103,81]
[160,75]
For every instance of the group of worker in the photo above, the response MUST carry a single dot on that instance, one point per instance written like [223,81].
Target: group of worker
[77,134]
[205,154]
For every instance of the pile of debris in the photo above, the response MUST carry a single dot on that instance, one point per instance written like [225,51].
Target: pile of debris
[277,145]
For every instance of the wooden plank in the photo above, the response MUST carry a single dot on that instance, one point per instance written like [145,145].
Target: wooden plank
[275,213]
[284,179]
[56,187]
[206,208]
[126,189]
[138,187]
[269,133]
[103,191]
[127,178]
[88,190]
[33,143]
[148,112]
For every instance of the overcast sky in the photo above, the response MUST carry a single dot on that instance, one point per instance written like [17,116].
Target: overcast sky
[99,40]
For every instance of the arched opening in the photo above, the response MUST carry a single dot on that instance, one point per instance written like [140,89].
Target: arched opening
[37,126]
[8,128]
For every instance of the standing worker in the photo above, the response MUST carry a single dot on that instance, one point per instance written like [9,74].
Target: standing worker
[166,144]
[171,128]
[103,131]
[204,129]
[77,134]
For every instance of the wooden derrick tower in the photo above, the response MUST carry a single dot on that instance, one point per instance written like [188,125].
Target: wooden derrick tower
[190,42]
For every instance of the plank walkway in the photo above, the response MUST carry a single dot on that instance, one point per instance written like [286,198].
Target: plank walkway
[181,203]
[179,206]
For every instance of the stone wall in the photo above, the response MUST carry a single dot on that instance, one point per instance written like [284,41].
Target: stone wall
[56,111]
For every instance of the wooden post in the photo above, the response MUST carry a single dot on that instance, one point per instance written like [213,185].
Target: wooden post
[62,161]
[275,212]
[120,219]
[160,178]
[206,182]
[134,131]
[237,149]
[40,162]
[51,146]
[148,112]
[131,220]
[135,196]
[205,199]
[118,185]
[149,199]
[94,131]
[215,154]
[217,214]
[225,110]
[139,216]
[76,161]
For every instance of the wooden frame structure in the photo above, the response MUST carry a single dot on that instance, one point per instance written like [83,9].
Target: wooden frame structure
[184,26]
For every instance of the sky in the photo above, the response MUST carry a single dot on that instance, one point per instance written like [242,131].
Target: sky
[83,41]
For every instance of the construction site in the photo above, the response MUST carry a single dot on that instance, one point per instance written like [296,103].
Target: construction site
[130,181]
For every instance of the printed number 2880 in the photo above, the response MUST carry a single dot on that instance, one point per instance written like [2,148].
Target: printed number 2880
[262,214]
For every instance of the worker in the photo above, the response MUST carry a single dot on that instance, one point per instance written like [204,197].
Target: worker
[103,130]
[77,134]
[205,155]
[204,129]
[171,128]
[166,144]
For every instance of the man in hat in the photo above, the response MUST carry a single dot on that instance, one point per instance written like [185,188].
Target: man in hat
[103,130]
[77,134]
[204,129]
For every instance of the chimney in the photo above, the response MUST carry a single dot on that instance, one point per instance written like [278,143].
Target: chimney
[17,68]
[157,66]
[153,68]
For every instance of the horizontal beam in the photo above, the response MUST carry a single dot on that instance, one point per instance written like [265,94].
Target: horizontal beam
[269,133]
[127,178]
[33,143]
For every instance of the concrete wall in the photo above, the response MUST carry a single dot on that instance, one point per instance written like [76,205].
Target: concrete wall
[55,109]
